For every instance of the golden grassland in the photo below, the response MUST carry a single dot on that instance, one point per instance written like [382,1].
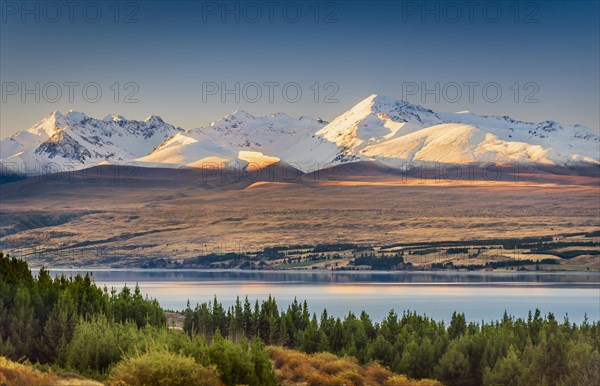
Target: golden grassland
[16,374]
[324,369]
[106,223]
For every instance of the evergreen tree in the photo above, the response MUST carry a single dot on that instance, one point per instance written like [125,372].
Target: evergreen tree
[458,325]
[22,324]
[60,326]
[453,368]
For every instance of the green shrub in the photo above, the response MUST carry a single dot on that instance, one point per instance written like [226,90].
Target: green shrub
[162,368]
[99,343]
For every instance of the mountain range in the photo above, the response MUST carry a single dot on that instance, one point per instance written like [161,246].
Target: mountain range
[381,129]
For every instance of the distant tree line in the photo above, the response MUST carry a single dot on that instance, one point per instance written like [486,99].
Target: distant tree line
[457,250]
[379,263]
[337,247]
[495,264]
[207,260]
[509,243]
[562,244]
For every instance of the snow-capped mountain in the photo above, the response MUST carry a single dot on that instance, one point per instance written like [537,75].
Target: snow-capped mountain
[394,132]
[378,128]
[75,141]
[372,121]
[237,138]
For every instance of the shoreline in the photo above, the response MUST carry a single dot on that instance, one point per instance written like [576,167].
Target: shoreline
[307,271]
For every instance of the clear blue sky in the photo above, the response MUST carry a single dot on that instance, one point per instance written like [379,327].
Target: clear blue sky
[549,49]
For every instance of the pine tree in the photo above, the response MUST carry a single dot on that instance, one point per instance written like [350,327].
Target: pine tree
[60,326]
[458,325]
[247,318]
[23,327]
[313,339]
[506,372]
[262,365]
[188,323]
[453,368]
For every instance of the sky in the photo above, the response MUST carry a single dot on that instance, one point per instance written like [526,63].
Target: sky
[193,62]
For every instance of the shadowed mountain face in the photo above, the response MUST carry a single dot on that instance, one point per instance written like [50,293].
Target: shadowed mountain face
[112,177]
[440,173]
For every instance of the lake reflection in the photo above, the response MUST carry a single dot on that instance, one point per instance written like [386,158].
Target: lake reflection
[480,295]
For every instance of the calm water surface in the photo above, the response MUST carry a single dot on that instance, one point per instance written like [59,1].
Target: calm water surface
[481,296]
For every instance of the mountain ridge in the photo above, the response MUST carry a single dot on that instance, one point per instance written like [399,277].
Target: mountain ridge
[378,128]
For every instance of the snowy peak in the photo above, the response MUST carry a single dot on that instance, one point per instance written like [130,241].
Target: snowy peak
[375,119]
[394,132]
[398,110]
[76,116]
[235,118]
[154,119]
[232,139]
[75,138]
[48,125]
[401,111]
[114,118]
[247,132]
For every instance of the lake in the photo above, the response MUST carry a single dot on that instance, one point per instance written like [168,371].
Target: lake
[480,295]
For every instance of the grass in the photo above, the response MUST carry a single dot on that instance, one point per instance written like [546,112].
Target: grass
[324,369]
[16,374]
